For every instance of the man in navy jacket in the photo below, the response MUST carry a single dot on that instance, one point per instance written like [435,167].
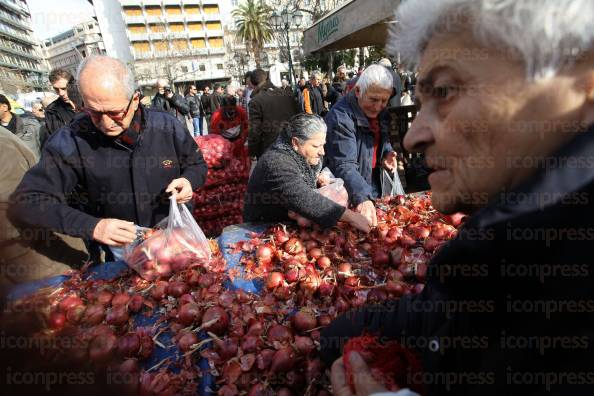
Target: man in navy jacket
[122,160]
[358,140]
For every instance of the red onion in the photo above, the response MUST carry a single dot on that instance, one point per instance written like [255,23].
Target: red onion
[264,359]
[304,345]
[159,290]
[177,288]
[304,320]
[219,318]
[293,246]
[56,320]
[380,258]
[283,360]
[128,345]
[324,262]
[274,280]
[189,314]
[280,333]
[69,302]
[227,348]
[75,313]
[104,298]
[247,362]
[102,347]
[250,344]
[94,314]
[117,316]
[264,254]
[187,340]
[120,299]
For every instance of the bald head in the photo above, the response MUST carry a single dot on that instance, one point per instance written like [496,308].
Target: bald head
[105,76]
[162,83]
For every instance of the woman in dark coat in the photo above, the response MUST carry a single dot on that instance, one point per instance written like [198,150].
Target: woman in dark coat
[285,179]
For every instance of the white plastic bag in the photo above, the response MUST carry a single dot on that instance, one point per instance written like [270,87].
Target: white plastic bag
[333,188]
[391,185]
[175,244]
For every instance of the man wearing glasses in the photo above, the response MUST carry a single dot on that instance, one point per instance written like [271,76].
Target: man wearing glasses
[194,103]
[122,158]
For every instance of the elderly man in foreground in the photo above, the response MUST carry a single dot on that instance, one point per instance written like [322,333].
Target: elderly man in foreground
[122,158]
[358,143]
[506,90]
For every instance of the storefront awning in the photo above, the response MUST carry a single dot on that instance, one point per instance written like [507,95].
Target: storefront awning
[359,23]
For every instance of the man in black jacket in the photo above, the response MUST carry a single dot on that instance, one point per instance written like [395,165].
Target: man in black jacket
[122,158]
[62,110]
[194,104]
[170,102]
[206,111]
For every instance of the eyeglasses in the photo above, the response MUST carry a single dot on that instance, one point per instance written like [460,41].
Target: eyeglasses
[116,116]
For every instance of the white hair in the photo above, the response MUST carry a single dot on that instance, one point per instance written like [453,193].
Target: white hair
[112,66]
[546,34]
[375,75]
[315,73]
[385,62]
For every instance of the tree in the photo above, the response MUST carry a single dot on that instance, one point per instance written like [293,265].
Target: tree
[252,19]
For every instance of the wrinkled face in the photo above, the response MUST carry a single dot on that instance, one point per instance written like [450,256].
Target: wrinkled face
[38,110]
[315,81]
[312,149]
[61,88]
[341,74]
[481,125]
[373,101]
[110,113]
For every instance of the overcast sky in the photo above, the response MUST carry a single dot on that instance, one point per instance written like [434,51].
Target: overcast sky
[52,17]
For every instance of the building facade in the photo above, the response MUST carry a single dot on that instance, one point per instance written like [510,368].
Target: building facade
[21,65]
[181,40]
[68,49]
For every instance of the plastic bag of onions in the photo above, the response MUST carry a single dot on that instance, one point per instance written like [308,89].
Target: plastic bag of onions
[333,188]
[176,243]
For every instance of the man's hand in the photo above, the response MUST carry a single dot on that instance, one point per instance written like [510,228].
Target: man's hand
[114,232]
[169,95]
[365,384]
[182,188]
[367,209]
[356,220]
[390,161]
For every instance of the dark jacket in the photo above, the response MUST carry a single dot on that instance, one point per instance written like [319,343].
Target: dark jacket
[314,101]
[517,282]
[193,102]
[215,102]
[349,146]
[31,132]
[279,184]
[269,108]
[58,114]
[205,100]
[176,106]
[115,180]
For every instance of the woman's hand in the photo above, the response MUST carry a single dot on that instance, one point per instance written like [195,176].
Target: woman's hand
[364,383]
[356,220]
[367,209]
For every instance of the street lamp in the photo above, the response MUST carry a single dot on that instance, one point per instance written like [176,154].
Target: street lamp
[282,23]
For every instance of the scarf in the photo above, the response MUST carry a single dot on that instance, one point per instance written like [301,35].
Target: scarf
[309,173]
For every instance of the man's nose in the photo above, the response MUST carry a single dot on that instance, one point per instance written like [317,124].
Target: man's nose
[420,135]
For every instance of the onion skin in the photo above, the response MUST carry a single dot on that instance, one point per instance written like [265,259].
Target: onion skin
[57,320]
[159,291]
[128,345]
[102,347]
[94,314]
[220,318]
[274,280]
[280,333]
[118,316]
[283,360]
[135,304]
[304,345]
[188,314]
[120,299]
[304,320]
[70,302]
[186,341]
[177,289]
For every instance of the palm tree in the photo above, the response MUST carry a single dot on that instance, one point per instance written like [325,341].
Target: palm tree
[252,19]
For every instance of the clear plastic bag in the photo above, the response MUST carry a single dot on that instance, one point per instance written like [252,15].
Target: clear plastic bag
[391,185]
[333,188]
[175,244]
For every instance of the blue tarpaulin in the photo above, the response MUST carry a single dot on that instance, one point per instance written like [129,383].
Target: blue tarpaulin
[109,271]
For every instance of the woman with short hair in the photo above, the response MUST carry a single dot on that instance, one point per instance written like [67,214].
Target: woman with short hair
[285,179]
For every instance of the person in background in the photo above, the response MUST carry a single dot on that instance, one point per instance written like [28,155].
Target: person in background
[231,122]
[194,103]
[38,110]
[313,99]
[301,84]
[25,256]
[28,129]
[331,95]
[340,81]
[269,108]
[397,93]
[168,101]
[206,112]
[108,154]
[285,179]
[284,84]
[241,99]
[358,144]
[249,88]
[215,98]
[62,110]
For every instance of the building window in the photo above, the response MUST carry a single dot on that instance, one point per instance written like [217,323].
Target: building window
[202,68]
[84,54]
[184,69]
[220,66]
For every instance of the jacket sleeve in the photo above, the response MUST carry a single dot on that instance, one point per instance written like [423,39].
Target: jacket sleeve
[297,196]
[307,101]
[191,162]
[214,126]
[40,200]
[341,154]
[180,104]
[255,131]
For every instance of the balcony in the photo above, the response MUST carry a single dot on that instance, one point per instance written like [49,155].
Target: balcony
[18,52]
[178,35]
[129,3]
[210,2]
[14,66]
[171,2]
[142,55]
[191,2]
[18,36]
[216,51]
[134,19]
[138,36]
[196,33]
[19,24]
[214,33]
[173,18]
[155,18]
[194,17]
[212,17]
[158,36]
[198,51]
[151,2]
[15,7]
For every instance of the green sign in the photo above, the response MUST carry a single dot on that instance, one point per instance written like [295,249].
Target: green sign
[328,28]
